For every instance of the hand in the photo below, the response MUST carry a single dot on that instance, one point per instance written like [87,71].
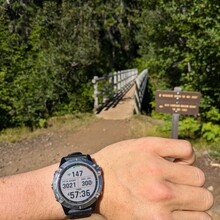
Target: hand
[141,183]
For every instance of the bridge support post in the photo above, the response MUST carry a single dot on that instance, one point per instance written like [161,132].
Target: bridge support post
[96,92]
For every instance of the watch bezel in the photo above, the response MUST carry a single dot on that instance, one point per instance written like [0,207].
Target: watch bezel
[80,204]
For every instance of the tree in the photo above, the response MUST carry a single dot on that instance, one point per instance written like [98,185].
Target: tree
[181,39]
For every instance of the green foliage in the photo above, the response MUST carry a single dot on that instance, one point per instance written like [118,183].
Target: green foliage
[213,115]
[179,41]
[42,123]
[211,132]
[189,128]
[50,51]
[45,63]
[182,44]
[210,128]
[215,150]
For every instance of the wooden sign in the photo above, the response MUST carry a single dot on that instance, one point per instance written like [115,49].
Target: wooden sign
[178,102]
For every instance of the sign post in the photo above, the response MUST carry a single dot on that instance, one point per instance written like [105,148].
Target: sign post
[175,118]
[177,102]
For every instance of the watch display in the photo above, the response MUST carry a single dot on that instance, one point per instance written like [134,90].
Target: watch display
[78,182]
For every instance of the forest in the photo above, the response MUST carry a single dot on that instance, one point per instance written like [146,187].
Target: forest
[50,50]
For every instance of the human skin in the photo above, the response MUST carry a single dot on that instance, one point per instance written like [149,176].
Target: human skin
[144,179]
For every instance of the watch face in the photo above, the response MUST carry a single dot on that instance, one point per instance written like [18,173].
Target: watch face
[78,182]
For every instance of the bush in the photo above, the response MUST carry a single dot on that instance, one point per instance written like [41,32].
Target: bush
[189,128]
[215,151]
[210,132]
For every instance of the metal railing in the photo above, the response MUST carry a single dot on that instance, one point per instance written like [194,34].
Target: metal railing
[141,83]
[112,86]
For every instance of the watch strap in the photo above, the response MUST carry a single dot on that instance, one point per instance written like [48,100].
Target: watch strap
[79,213]
[74,155]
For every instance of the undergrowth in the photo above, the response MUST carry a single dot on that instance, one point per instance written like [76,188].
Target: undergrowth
[59,123]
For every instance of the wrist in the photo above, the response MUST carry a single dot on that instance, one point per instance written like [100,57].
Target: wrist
[101,204]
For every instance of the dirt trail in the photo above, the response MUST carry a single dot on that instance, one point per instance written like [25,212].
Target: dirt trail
[49,147]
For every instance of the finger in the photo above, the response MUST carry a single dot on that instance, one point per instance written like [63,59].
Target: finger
[186,215]
[180,150]
[185,175]
[190,198]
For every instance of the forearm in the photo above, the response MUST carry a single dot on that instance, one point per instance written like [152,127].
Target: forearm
[29,196]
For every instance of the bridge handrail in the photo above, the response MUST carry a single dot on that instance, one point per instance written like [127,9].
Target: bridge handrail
[107,86]
[141,83]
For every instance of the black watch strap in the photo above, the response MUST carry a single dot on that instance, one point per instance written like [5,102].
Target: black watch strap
[77,154]
[73,213]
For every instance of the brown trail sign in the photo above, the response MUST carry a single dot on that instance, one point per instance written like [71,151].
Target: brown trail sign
[177,102]
[185,103]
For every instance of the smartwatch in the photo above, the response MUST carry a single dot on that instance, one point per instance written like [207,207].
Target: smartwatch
[77,184]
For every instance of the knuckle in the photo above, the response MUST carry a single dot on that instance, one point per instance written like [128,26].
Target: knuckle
[188,148]
[209,200]
[161,193]
[200,177]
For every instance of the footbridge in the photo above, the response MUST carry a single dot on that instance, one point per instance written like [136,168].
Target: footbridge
[119,95]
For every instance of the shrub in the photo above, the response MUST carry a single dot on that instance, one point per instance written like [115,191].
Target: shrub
[211,132]
[189,128]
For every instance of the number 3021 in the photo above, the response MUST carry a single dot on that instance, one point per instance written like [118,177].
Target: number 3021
[68,185]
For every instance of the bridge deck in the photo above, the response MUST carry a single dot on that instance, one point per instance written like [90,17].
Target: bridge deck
[124,108]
